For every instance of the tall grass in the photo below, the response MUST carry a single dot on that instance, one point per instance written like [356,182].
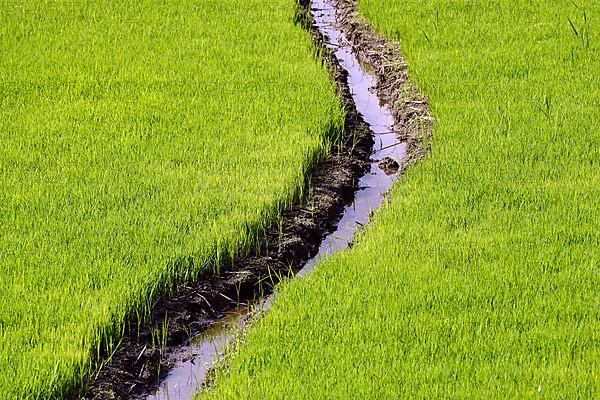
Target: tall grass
[480,277]
[140,143]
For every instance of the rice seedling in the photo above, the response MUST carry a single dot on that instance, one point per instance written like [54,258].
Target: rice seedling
[141,145]
[479,279]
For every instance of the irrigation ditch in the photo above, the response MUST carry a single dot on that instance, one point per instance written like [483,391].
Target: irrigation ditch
[387,127]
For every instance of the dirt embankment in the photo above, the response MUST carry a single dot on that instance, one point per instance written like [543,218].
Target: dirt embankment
[412,116]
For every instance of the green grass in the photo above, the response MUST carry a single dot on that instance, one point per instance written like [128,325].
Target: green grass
[140,143]
[480,279]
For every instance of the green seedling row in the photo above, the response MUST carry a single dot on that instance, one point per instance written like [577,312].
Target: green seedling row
[480,278]
[142,144]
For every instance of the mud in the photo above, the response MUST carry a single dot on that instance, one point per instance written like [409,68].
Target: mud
[412,116]
[190,374]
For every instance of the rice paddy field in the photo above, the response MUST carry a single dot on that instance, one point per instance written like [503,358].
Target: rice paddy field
[480,277]
[141,144]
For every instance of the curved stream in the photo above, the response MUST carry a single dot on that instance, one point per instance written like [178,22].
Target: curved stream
[204,350]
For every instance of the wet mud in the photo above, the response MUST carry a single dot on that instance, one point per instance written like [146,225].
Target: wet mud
[410,108]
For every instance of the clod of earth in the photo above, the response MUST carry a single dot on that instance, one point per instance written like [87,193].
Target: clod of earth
[389,166]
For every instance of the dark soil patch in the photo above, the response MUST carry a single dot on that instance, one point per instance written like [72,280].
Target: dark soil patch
[139,364]
[410,108]
[389,166]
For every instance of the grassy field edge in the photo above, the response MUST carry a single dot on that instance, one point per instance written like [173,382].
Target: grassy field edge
[479,278]
[123,173]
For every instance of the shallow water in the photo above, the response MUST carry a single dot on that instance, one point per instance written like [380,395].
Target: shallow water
[204,350]
[200,354]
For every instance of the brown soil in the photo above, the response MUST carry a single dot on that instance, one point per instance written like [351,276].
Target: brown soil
[410,108]
[133,370]
[389,166]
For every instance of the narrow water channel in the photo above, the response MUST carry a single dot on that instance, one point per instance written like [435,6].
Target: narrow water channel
[204,350]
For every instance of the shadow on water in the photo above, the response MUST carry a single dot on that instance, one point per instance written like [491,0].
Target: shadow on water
[204,350]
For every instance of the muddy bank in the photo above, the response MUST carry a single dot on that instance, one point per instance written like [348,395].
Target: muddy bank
[413,121]
[400,124]
[140,362]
